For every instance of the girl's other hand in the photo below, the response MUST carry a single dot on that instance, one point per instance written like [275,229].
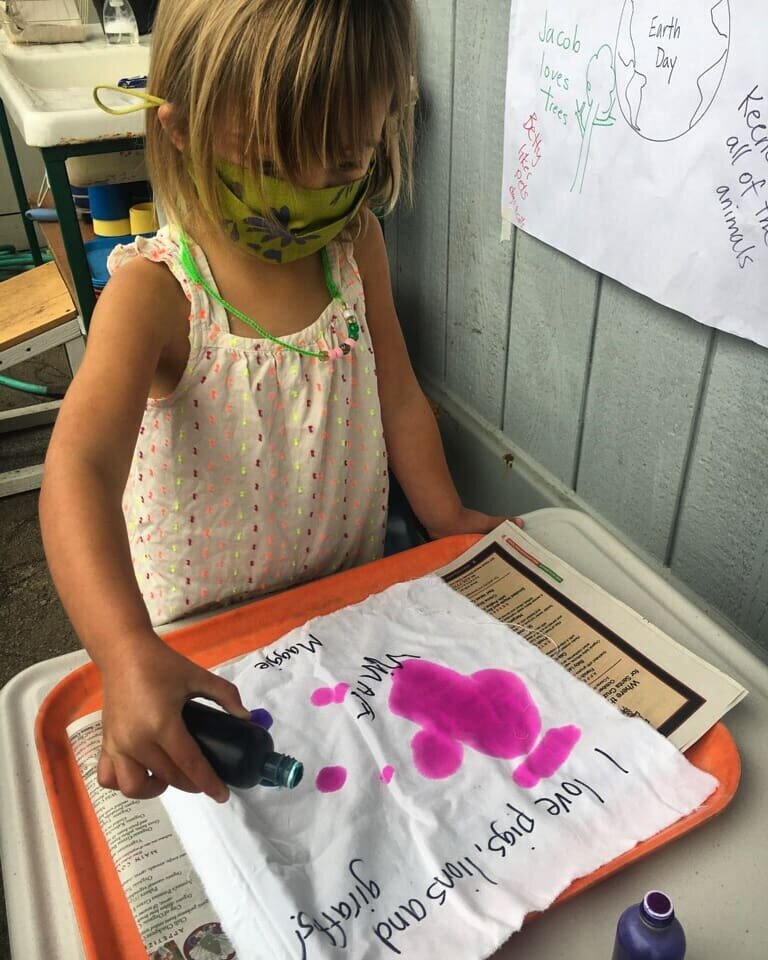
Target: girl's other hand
[145,743]
[470,521]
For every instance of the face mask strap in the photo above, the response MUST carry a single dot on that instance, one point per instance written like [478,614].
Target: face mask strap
[147,101]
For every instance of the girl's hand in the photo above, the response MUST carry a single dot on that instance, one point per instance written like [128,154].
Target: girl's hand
[470,521]
[145,743]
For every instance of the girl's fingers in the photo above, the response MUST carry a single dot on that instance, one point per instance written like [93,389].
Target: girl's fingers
[162,767]
[221,691]
[105,772]
[155,768]
[187,757]
[135,781]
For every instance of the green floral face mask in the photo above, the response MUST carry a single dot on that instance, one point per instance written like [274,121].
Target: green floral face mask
[305,219]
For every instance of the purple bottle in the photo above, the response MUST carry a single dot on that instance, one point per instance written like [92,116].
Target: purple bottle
[649,931]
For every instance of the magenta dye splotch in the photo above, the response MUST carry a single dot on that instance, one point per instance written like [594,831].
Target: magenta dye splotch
[547,756]
[322,696]
[490,711]
[331,779]
[386,774]
[325,695]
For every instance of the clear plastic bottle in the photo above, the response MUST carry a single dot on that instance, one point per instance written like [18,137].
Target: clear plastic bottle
[119,22]
[649,930]
[241,752]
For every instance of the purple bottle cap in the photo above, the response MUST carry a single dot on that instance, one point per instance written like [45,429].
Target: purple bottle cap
[658,907]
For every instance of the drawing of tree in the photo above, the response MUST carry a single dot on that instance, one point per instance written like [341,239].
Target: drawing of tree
[598,106]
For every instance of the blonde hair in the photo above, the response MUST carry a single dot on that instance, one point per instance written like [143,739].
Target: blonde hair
[293,81]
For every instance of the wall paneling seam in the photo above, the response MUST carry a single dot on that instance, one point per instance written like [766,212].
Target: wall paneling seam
[693,436]
[585,390]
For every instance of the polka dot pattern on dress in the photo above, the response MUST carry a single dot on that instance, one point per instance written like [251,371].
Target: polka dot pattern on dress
[263,468]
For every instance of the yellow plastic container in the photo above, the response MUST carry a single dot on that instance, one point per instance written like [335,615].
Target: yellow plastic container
[112,228]
[143,218]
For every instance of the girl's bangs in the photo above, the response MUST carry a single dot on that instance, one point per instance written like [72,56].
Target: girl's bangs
[284,84]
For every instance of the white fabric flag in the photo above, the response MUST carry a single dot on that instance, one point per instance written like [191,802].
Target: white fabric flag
[455,780]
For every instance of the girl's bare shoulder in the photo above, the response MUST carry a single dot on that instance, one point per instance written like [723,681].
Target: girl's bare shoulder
[369,243]
[146,296]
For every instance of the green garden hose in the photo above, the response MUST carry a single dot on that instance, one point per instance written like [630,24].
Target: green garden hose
[12,263]
[56,390]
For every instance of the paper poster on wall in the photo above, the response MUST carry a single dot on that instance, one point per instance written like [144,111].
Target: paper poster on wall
[456,779]
[636,141]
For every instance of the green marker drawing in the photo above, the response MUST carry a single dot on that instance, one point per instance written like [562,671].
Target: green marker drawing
[601,86]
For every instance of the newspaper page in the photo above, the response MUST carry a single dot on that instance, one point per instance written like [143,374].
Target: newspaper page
[596,637]
[166,897]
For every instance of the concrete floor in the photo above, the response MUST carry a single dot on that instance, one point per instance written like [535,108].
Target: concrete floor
[33,625]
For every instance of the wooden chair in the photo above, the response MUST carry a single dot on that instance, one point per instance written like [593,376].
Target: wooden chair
[36,314]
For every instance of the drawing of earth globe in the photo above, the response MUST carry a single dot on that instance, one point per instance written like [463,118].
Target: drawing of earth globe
[669,65]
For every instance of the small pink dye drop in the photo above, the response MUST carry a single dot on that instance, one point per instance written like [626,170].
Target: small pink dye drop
[548,755]
[339,692]
[331,779]
[386,774]
[325,695]
[322,696]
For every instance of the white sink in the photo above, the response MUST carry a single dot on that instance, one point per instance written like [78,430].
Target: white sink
[47,89]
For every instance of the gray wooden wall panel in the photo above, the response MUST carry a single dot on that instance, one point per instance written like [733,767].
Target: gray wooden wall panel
[551,324]
[479,265]
[721,548]
[423,230]
[641,404]
[659,424]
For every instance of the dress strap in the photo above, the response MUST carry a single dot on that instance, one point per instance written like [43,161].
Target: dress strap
[206,317]
[347,273]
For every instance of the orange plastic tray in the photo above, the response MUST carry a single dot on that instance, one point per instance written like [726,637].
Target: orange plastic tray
[105,920]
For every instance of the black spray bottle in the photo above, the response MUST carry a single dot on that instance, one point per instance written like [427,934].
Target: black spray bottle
[241,752]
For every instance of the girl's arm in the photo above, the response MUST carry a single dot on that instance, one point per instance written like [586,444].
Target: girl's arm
[414,445]
[86,542]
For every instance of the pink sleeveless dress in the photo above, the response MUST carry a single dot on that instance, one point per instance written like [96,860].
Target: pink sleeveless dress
[264,468]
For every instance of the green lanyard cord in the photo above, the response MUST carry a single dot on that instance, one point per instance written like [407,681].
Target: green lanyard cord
[190,269]
[330,283]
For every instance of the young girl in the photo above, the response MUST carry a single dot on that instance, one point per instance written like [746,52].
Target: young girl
[224,436]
